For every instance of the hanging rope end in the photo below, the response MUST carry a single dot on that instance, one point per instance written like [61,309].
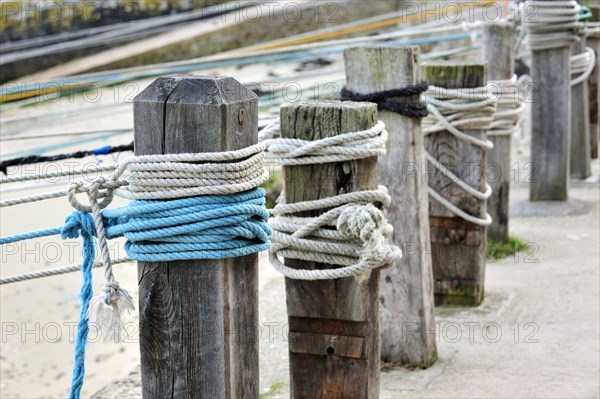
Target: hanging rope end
[105,313]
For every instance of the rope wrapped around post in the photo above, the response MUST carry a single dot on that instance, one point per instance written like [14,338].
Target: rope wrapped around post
[509,106]
[551,24]
[359,240]
[450,110]
[384,102]
[186,206]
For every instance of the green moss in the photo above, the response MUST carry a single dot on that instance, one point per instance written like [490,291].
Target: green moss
[386,367]
[273,390]
[496,250]
[467,293]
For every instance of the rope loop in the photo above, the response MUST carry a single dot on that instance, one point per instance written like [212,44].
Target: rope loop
[452,110]
[583,65]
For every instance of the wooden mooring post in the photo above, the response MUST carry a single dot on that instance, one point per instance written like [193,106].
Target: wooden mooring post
[498,47]
[333,324]
[593,42]
[406,294]
[550,124]
[579,144]
[198,318]
[457,246]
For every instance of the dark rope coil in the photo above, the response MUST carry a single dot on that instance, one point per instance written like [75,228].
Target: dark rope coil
[30,159]
[381,98]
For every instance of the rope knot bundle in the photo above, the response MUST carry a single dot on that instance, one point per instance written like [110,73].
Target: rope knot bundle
[343,147]
[78,223]
[367,224]
[351,231]
[551,24]
[451,109]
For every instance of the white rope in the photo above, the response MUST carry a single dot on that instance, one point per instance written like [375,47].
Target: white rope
[582,64]
[453,109]
[167,176]
[340,148]
[359,242]
[509,106]
[61,173]
[592,28]
[551,24]
[149,177]
[160,177]
[55,271]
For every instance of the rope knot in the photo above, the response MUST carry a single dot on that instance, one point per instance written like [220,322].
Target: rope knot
[368,224]
[359,243]
[78,222]
[360,221]
[99,188]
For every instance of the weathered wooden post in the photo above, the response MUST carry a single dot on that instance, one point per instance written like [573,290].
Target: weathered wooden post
[580,151]
[457,246]
[550,117]
[593,41]
[333,324]
[406,294]
[198,318]
[498,44]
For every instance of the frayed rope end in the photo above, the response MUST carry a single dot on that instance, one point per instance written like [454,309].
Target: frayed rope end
[106,317]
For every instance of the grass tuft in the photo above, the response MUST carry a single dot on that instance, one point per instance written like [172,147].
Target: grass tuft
[496,250]
[273,390]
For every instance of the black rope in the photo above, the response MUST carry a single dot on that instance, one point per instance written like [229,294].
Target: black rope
[381,98]
[4,165]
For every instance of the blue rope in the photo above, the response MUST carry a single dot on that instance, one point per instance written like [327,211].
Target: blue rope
[81,223]
[31,234]
[207,227]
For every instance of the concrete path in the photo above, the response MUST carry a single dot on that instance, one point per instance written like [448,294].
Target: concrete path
[536,335]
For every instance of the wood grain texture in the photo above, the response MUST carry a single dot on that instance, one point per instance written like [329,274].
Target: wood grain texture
[458,247]
[580,151]
[406,292]
[550,124]
[337,310]
[198,318]
[498,43]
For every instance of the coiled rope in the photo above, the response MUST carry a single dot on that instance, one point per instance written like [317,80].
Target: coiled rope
[450,110]
[509,106]
[205,227]
[359,240]
[344,147]
[551,24]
